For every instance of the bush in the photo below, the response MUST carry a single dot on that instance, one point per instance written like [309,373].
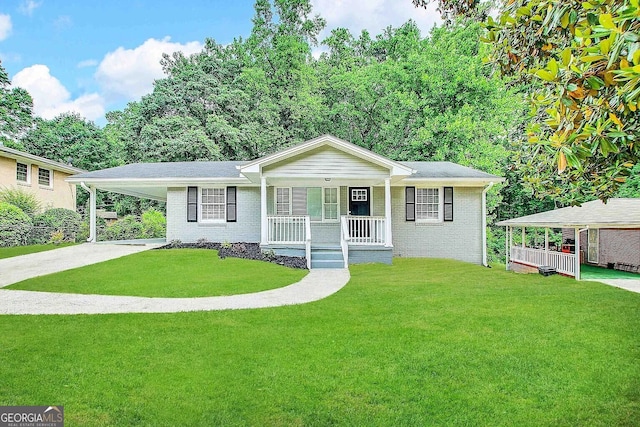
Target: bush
[154,223]
[15,225]
[53,221]
[27,202]
[124,229]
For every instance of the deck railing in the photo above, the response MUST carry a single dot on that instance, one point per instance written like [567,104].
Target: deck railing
[288,229]
[366,230]
[563,262]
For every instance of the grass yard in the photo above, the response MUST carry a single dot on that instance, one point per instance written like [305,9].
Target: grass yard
[422,342]
[31,249]
[168,273]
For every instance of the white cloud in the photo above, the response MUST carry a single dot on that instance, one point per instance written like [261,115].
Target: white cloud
[87,63]
[62,22]
[5,26]
[128,74]
[51,98]
[28,6]
[373,15]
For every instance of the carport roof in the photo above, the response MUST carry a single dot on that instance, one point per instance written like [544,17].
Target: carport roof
[616,213]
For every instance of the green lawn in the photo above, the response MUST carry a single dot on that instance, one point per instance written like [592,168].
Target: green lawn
[168,273]
[422,342]
[31,249]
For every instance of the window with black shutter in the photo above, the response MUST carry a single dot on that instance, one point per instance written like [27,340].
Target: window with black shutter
[192,204]
[410,203]
[231,204]
[448,203]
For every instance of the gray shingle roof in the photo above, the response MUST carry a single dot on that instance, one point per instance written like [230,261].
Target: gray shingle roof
[445,170]
[624,213]
[227,169]
[167,170]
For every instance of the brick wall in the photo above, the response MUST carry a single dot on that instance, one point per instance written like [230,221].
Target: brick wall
[246,229]
[460,239]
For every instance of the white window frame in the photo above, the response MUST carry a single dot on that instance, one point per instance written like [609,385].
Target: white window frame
[337,218]
[440,205]
[28,180]
[275,201]
[201,205]
[50,184]
[358,193]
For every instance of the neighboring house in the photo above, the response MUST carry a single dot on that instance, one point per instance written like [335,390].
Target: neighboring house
[42,177]
[327,199]
[607,234]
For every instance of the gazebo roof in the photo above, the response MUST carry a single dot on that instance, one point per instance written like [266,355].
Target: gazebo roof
[616,213]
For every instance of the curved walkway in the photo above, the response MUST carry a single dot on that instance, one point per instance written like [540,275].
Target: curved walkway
[316,285]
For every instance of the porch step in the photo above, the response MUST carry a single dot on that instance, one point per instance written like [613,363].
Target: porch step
[326,257]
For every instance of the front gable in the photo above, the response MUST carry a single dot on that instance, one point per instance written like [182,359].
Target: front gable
[325,162]
[325,156]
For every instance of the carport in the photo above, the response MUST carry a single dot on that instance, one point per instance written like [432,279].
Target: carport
[592,218]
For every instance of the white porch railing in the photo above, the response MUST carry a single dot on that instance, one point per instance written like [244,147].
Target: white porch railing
[344,240]
[366,230]
[563,262]
[287,229]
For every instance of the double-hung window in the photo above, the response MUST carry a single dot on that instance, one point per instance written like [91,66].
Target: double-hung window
[212,204]
[44,177]
[427,204]
[22,173]
[283,201]
[330,204]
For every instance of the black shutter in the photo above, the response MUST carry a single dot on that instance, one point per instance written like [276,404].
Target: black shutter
[231,204]
[192,204]
[410,203]
[448,203]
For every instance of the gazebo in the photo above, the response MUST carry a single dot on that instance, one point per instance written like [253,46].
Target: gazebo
[619,218]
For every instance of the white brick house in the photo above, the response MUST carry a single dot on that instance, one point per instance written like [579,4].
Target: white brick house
[326,199]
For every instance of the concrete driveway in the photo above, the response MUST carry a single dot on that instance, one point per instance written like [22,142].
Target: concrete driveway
[632,285]
[16,269]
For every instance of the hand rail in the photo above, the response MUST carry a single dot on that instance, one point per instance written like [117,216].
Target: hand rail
[344,240]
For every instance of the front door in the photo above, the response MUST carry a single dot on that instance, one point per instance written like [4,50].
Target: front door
[359,205]
[593,237]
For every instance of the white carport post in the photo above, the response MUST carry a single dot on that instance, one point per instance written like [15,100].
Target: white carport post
[507,244]
[546,246]
[388,241]
[577,253]
[93,236]
[263,211]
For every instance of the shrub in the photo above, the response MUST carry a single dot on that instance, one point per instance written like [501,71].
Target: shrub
[54,220]
[154,224]
[124,229]
[27,202]
[15,225]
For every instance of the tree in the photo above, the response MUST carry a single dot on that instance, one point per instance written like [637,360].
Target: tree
[70,138]
[16,112]
[585,57]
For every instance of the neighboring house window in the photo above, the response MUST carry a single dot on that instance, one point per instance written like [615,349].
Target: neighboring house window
[212,204]
[427,204]
[330,203]
[283,201]
[22,172]
[44,177]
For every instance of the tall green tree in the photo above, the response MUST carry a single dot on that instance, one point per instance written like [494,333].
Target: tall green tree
[16,112]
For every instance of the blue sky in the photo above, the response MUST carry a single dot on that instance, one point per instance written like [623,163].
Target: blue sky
[95,56]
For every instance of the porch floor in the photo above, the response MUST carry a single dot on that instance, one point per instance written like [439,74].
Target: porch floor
[589,272]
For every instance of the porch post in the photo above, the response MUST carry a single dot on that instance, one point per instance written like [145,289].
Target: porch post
[546,245]
[523,237]
[263,211]
[577,254]
[93,236]
[507,248]
[388,241]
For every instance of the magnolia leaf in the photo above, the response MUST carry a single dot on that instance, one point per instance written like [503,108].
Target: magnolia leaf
[591,58]
[564,21]
[615,119]
[635,58]
[553,67]
[566,57]
[545,75]
[586,5]
[562,162]
[605,45]
[607,21]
